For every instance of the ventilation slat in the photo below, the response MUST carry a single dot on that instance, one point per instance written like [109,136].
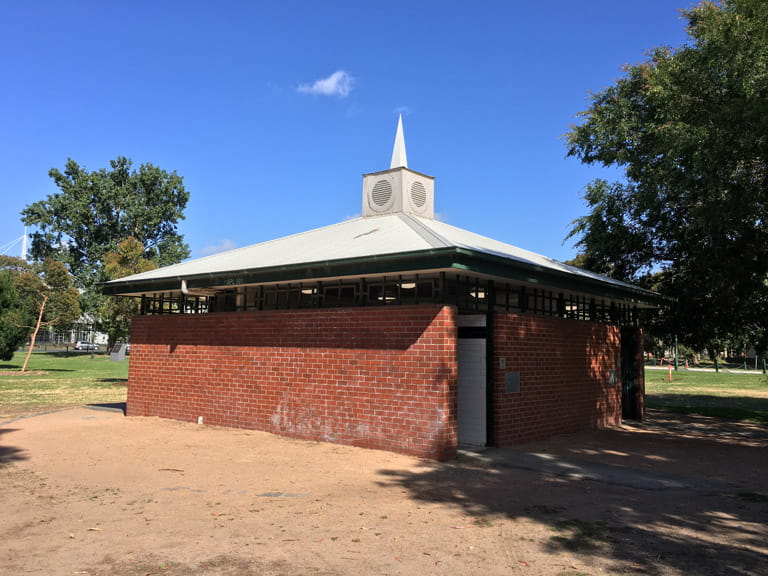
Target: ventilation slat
[381,194]
[418,195]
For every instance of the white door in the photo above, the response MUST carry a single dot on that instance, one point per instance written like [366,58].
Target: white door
[471,401]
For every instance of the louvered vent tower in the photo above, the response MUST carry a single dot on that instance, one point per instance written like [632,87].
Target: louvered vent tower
[398,189]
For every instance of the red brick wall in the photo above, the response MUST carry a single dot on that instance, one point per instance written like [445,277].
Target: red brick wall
[564,377]
[374,377]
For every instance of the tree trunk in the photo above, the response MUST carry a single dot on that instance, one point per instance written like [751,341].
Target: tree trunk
[34,333]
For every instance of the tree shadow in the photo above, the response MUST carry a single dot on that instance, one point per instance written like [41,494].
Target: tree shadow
[714,528]
[116,381]
[17,370]
[9,454]
[731,407]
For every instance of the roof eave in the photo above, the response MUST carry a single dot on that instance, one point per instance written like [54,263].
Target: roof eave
[403,262]
[304,272]
[531,273]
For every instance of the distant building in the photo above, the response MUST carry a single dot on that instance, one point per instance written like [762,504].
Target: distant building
[85,329]
[393,330]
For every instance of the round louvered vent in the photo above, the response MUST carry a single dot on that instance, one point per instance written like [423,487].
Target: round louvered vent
[381,194]
[418,194]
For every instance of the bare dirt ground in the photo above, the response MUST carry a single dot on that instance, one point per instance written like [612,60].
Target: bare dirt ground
[92,492]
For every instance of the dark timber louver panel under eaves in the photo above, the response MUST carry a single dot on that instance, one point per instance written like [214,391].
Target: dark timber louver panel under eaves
[467,293]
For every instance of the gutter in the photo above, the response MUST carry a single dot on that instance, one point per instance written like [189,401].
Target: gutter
[452,257]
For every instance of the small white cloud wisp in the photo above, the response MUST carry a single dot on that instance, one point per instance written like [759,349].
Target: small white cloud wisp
[221,246]
[337,84]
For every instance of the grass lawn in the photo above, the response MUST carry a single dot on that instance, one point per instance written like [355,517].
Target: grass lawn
[62,379]
[56,380]
[722,394]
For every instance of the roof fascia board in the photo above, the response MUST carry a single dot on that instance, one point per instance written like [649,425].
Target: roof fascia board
[459,259]
[439,258]
[529,273]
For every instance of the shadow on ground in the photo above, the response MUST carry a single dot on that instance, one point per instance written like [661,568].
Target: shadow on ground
[17,368]
[718,528]
[733,407]
[109,406]
[10,454]
[115,381]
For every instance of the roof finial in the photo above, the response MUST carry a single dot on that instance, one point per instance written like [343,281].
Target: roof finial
[399,159]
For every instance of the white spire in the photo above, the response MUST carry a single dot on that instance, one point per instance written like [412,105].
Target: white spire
[24,245]
[399,159]
[399,189]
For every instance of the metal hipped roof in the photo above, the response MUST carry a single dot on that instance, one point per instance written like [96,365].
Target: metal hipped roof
[377,244]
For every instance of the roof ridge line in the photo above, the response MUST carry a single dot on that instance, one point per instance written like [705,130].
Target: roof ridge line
[434,239]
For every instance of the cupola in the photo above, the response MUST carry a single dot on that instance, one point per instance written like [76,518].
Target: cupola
[398,189]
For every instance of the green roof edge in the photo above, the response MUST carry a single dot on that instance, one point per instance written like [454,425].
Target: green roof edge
[459,259]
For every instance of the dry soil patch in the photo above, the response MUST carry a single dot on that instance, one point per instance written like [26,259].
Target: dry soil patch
[93,492]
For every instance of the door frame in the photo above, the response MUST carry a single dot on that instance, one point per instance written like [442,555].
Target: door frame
[479,332]
[630,407]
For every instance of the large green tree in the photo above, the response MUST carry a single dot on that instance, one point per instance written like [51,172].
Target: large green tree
[689,129]
[14,319]
[96,210]
[35,296]
[116,312]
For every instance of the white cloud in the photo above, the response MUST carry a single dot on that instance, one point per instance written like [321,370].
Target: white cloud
[221,246]
[337,84]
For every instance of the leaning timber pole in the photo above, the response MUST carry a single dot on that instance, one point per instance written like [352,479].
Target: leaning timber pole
[34,334]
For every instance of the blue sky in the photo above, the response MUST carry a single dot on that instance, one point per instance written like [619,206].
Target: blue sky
[272,111]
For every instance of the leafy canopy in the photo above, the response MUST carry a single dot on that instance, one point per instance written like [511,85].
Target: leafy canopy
[13,317]
[32,296]
[689,129]
[94,211]
[116,313]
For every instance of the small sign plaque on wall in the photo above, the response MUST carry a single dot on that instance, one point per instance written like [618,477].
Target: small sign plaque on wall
[512,382]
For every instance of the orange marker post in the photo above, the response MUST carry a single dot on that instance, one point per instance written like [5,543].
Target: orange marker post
[669,373]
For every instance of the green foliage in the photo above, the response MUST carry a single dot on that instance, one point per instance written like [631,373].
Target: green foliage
[116,313]
[689,129]
[29,292]
[94,211]
[49,286]
[608,231]
[13,318]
